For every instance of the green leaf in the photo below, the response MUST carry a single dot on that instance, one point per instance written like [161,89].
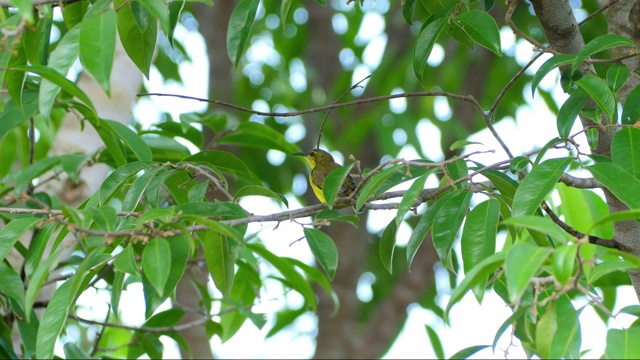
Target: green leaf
[132,140]
[126,262]
[25,9]
[467,352]
[503,183]
[63,57]
[243,294]
[426,40]
[388,245]
[285,318]
[53,320]
[225,162]
[10,233]
[563,263]
[134,195]
[523,262]
[169,317]
[616,217]
[616,76]
[538,224]
[105,217]
[74,12]
[316,275]
[284,14]
[608,267]
[254,190]
[424,224]
[462,143]
[181,249]
[566,342]
[600,93]
[139,42]
[620,182]
[11,284]
[623,344]
[592,138]
[220,260]
[538,183]
[36,249]
[98,42]
[333,182]
[386,179]
[71,164]
[599,44]
[410,196]
[240,24]
[324,249]
[446,224]
[156,263]
[625,150]
[24,178]
[457,170]
[161,11]
[546,328]
[436,344]
[37,280]
[295,280]
[631,108]
[519,163]
[14,80]
[482,28]
[117,178]
[260,136]
[479,273]
[407,10]
[479,233]
[116,292]
[552,63]
[72,351]
[570,110]
[198,192]
[53,76]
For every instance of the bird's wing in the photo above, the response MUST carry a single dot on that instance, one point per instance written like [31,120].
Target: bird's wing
[347,187]
[318,178]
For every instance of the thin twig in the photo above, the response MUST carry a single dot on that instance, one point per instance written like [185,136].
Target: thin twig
[510,83]
[595,13]
[507,18]
[354,86]
[161,329]
[468,98]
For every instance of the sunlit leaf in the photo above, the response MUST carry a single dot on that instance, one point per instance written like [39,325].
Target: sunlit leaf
[324,249]
[156,263]
[240,25]
[523,262]
[599,44]
[538,183]
[333,182]
[482,28]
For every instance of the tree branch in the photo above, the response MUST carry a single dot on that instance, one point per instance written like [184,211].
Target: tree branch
[468,98]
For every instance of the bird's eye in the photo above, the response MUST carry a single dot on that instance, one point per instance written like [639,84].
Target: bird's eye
[312,154]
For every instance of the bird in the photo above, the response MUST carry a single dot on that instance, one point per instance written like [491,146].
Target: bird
[322,164]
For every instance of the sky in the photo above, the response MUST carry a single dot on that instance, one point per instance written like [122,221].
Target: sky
[471,323]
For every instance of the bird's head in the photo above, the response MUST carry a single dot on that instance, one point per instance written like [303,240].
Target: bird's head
[316,156]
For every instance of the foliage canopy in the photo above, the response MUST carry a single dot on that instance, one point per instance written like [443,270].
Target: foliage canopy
[162,207]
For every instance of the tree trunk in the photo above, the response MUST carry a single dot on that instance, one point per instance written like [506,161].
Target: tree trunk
[563,34]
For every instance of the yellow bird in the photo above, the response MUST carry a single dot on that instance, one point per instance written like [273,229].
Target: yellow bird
[322,164]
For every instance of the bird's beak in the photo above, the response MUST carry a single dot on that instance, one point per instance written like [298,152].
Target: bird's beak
[299,154]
